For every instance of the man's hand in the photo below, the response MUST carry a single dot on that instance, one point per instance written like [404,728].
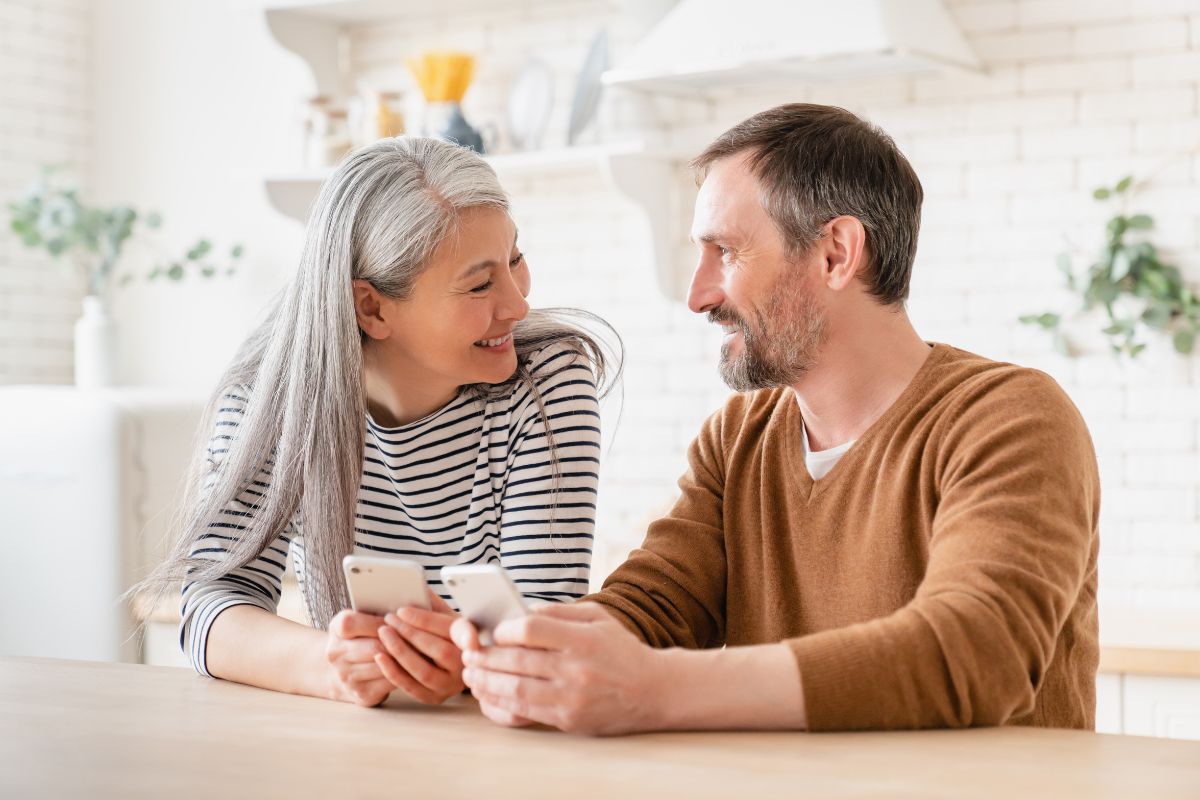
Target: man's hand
[573,667]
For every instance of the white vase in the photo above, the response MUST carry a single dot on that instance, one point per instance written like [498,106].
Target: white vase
[95,346]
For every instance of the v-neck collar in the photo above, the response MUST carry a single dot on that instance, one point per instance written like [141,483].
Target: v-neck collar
[793,429]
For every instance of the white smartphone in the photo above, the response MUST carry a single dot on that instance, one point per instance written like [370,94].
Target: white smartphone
[382,584]
[485,595]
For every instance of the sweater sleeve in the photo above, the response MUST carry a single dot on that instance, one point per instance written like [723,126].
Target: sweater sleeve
[671,590]
[546,535]
[259,583]
[1010,549]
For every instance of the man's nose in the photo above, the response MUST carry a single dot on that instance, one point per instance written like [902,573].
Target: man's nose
[705,290]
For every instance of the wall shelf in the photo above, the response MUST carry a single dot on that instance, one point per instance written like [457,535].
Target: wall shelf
[647,176]
[654,179]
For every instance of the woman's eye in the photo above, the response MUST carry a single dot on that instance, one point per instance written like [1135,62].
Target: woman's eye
[483,287]
[516,262]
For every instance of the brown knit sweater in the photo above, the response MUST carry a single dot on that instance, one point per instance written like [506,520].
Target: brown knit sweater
[943,574]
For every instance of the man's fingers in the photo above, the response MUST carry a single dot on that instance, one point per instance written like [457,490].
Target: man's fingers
[349,624]
[502,717]
[464,635]
[515,661]
[539,630]
[580,612]
[530,691]
[513,711]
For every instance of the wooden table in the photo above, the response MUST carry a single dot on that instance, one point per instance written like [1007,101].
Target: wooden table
[87,729]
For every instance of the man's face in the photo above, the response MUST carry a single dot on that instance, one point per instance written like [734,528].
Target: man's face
[745,281]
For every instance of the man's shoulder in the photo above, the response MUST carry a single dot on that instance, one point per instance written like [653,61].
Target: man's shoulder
[969,389]
[749,414]
[964,377]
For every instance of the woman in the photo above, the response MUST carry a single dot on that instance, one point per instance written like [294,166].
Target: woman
[400,399]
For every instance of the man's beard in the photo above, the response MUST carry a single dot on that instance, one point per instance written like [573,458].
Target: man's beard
[783,343]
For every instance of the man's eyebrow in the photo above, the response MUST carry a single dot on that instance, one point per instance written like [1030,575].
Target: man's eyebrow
[707,238]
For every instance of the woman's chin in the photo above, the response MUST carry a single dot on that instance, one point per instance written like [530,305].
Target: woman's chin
[498,372]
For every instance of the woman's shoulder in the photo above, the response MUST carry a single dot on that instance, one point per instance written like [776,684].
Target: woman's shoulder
[561,365]
[230,401]
[557,358]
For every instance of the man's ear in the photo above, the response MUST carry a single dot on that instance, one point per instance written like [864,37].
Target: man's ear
[369,311]
[845,251]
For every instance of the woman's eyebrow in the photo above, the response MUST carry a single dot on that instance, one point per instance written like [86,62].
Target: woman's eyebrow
[480,267]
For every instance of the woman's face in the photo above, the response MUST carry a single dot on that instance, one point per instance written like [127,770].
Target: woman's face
[455,328]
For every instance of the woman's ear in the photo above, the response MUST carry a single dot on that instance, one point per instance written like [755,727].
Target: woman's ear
[846,253]
[369,311]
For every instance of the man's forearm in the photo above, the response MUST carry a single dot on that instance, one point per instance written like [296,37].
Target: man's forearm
[738,687]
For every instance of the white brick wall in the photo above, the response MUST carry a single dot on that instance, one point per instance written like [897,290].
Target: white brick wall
[1077,93]
[44,118]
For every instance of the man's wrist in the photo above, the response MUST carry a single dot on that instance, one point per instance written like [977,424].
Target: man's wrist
[732,688]
[667,688]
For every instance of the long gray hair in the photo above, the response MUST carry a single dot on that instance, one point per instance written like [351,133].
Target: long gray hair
[378,218]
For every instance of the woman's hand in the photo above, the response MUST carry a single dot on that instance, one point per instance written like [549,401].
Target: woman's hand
[420,657]
[353,652]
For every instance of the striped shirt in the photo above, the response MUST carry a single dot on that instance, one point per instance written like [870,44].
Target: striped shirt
[468,484]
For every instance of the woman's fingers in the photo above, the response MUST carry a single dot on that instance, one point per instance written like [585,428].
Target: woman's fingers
[348,624]
[438,604]
[370,693]
[400,679]
[416,665]
[363,673]
[357,651]
[436,648]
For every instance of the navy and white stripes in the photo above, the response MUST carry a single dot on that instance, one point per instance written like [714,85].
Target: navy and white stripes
[471,483]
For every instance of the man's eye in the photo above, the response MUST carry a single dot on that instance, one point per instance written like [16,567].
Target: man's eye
[483,287]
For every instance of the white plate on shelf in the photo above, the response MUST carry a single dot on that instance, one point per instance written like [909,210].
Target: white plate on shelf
[529,102]
[587,88]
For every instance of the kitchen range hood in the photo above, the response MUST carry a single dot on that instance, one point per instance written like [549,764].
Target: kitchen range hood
[701,45]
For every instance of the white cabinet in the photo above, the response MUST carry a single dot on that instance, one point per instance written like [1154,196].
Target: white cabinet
[1108,703]
[1161,706]
[88,484]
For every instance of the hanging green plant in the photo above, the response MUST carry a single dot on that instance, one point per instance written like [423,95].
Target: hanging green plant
[1128,280]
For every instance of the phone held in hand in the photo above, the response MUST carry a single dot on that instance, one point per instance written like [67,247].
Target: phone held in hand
[485,595]
[379,584]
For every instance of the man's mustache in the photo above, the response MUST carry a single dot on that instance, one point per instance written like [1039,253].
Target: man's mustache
[721,314]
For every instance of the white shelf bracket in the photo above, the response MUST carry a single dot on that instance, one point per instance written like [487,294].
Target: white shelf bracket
[654,185]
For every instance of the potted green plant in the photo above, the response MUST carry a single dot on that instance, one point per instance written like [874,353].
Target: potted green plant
[94,241]
[1130,282]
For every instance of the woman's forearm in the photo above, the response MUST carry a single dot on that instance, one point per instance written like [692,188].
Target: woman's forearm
[247,644]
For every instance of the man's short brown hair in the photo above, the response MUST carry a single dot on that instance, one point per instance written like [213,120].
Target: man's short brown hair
[817,162]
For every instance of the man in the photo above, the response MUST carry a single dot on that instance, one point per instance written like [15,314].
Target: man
[874,533]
